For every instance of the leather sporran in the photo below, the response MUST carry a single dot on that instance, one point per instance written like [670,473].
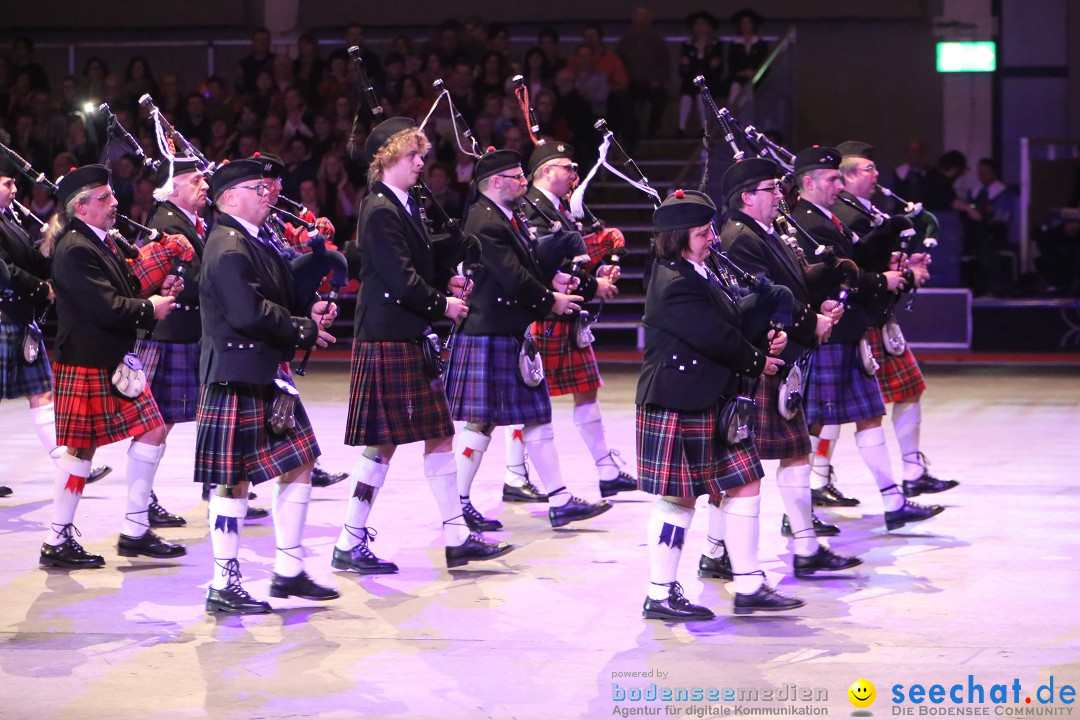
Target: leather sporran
[31,343]
[129,378]
[867,362]
[581,330]
[735,419]
[789,398]
[431,348]
[530,364]
[893,337]
[283,410]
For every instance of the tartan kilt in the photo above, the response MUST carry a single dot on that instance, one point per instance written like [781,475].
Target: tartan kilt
[837,392]
[17,377]
[682,454]
[233,444]
[172,369]
[392,398]
[90,414]
[483,384]
[899,377]
[775,437]
[568,368]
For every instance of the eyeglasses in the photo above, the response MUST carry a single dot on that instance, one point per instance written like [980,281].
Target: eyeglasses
[104,197]
[519,176]
[869,168]
[260,189]
[770,189]
[572,167]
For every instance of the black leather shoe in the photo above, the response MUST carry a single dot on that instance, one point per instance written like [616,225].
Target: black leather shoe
[720,567]
[911,512]
[236,600]
[623,483]
[821,529]
[765,599]
[675,607]
[256,513]
[5,491]
[321,478]
[301,586]
[576,509]
[361,560]
[475,547]
[927,484]
[527,493]
[477,522]
[160,517]
[69,554]
[824,560]
[830,496]
[98,473]
[150,545]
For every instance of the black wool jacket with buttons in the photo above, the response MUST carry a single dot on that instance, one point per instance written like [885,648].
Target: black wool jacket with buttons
[511,290]
[539,217]
[400,268]
[29,290]
[694,347]
[251,319]
[98,307]
[183,324]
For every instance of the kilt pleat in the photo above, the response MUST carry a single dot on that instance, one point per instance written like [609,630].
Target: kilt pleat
[483,384]
[568,368]
[837,392]
[90,414]
[899,377]
[233,444]
[19,378]
[775,437]
[683,454]
[392,398]
[172,370]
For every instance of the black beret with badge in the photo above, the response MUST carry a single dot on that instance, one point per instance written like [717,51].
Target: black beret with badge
[685,209]
[233,173]
[549,150]
[180,166]
[817,158]
[79,179]
[856,148]
[747,173]
[495,162]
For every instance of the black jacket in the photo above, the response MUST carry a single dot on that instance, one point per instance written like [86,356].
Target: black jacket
[400,270]
[693,343]
[29,289]
[876,245]
[98,307]
[869,285]
[250,320]
[539,218]
[511,289]
[183,324]
[759,253]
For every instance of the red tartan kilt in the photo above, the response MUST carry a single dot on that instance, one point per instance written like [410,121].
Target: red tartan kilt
[89,414]
[568,368]
[775,437]
[900,378]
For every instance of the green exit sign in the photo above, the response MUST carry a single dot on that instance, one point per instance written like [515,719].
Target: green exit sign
[974,56]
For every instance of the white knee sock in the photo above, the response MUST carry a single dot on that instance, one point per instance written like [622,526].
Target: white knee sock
[872,448]
[540,442]
[794,485]
[907,421]
[290,512]
[742,542]
[441,471]
[142,465]
[517,472]
[667,531]
[43,420]
[71,474]
[715,547]
[226,521]
[370,476]
[590,425]
[469,449]
[822,447]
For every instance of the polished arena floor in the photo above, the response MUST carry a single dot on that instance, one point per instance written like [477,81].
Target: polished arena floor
[985,594]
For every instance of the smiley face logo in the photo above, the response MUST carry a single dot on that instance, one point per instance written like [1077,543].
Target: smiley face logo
[862,693]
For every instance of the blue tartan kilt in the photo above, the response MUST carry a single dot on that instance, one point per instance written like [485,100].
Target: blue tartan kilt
[775,437]
[172,369]
[233,443]
[837,391]
[483,384]
[683,454]
[392,398]
[17,377]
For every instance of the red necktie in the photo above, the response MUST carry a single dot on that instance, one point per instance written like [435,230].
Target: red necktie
[836,222]
[514,222]
[200,227]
